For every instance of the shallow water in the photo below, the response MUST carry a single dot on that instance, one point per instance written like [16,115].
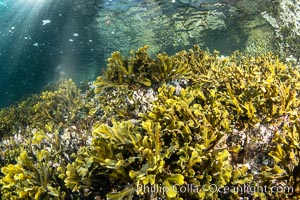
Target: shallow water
[43,41]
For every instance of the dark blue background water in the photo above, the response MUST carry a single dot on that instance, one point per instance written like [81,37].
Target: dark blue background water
[37,37]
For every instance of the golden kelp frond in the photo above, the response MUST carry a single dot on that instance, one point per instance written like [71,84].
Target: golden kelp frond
[16,117]
[141,70]
[60,105]
[180,124]
[31,178]
[47,129]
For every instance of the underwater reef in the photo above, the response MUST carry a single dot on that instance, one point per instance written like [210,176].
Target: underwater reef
[194,125]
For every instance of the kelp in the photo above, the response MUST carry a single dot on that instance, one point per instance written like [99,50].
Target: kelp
[141,70]
[152,128]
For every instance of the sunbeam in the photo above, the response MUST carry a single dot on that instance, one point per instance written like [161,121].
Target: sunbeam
[25,19]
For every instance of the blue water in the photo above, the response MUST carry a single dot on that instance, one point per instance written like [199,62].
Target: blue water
[35,40]
[44,41]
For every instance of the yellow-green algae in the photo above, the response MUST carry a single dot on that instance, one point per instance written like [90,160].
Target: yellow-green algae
[190,119]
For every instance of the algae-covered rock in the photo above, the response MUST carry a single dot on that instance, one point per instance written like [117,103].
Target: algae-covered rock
[284,17]
[193,125]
